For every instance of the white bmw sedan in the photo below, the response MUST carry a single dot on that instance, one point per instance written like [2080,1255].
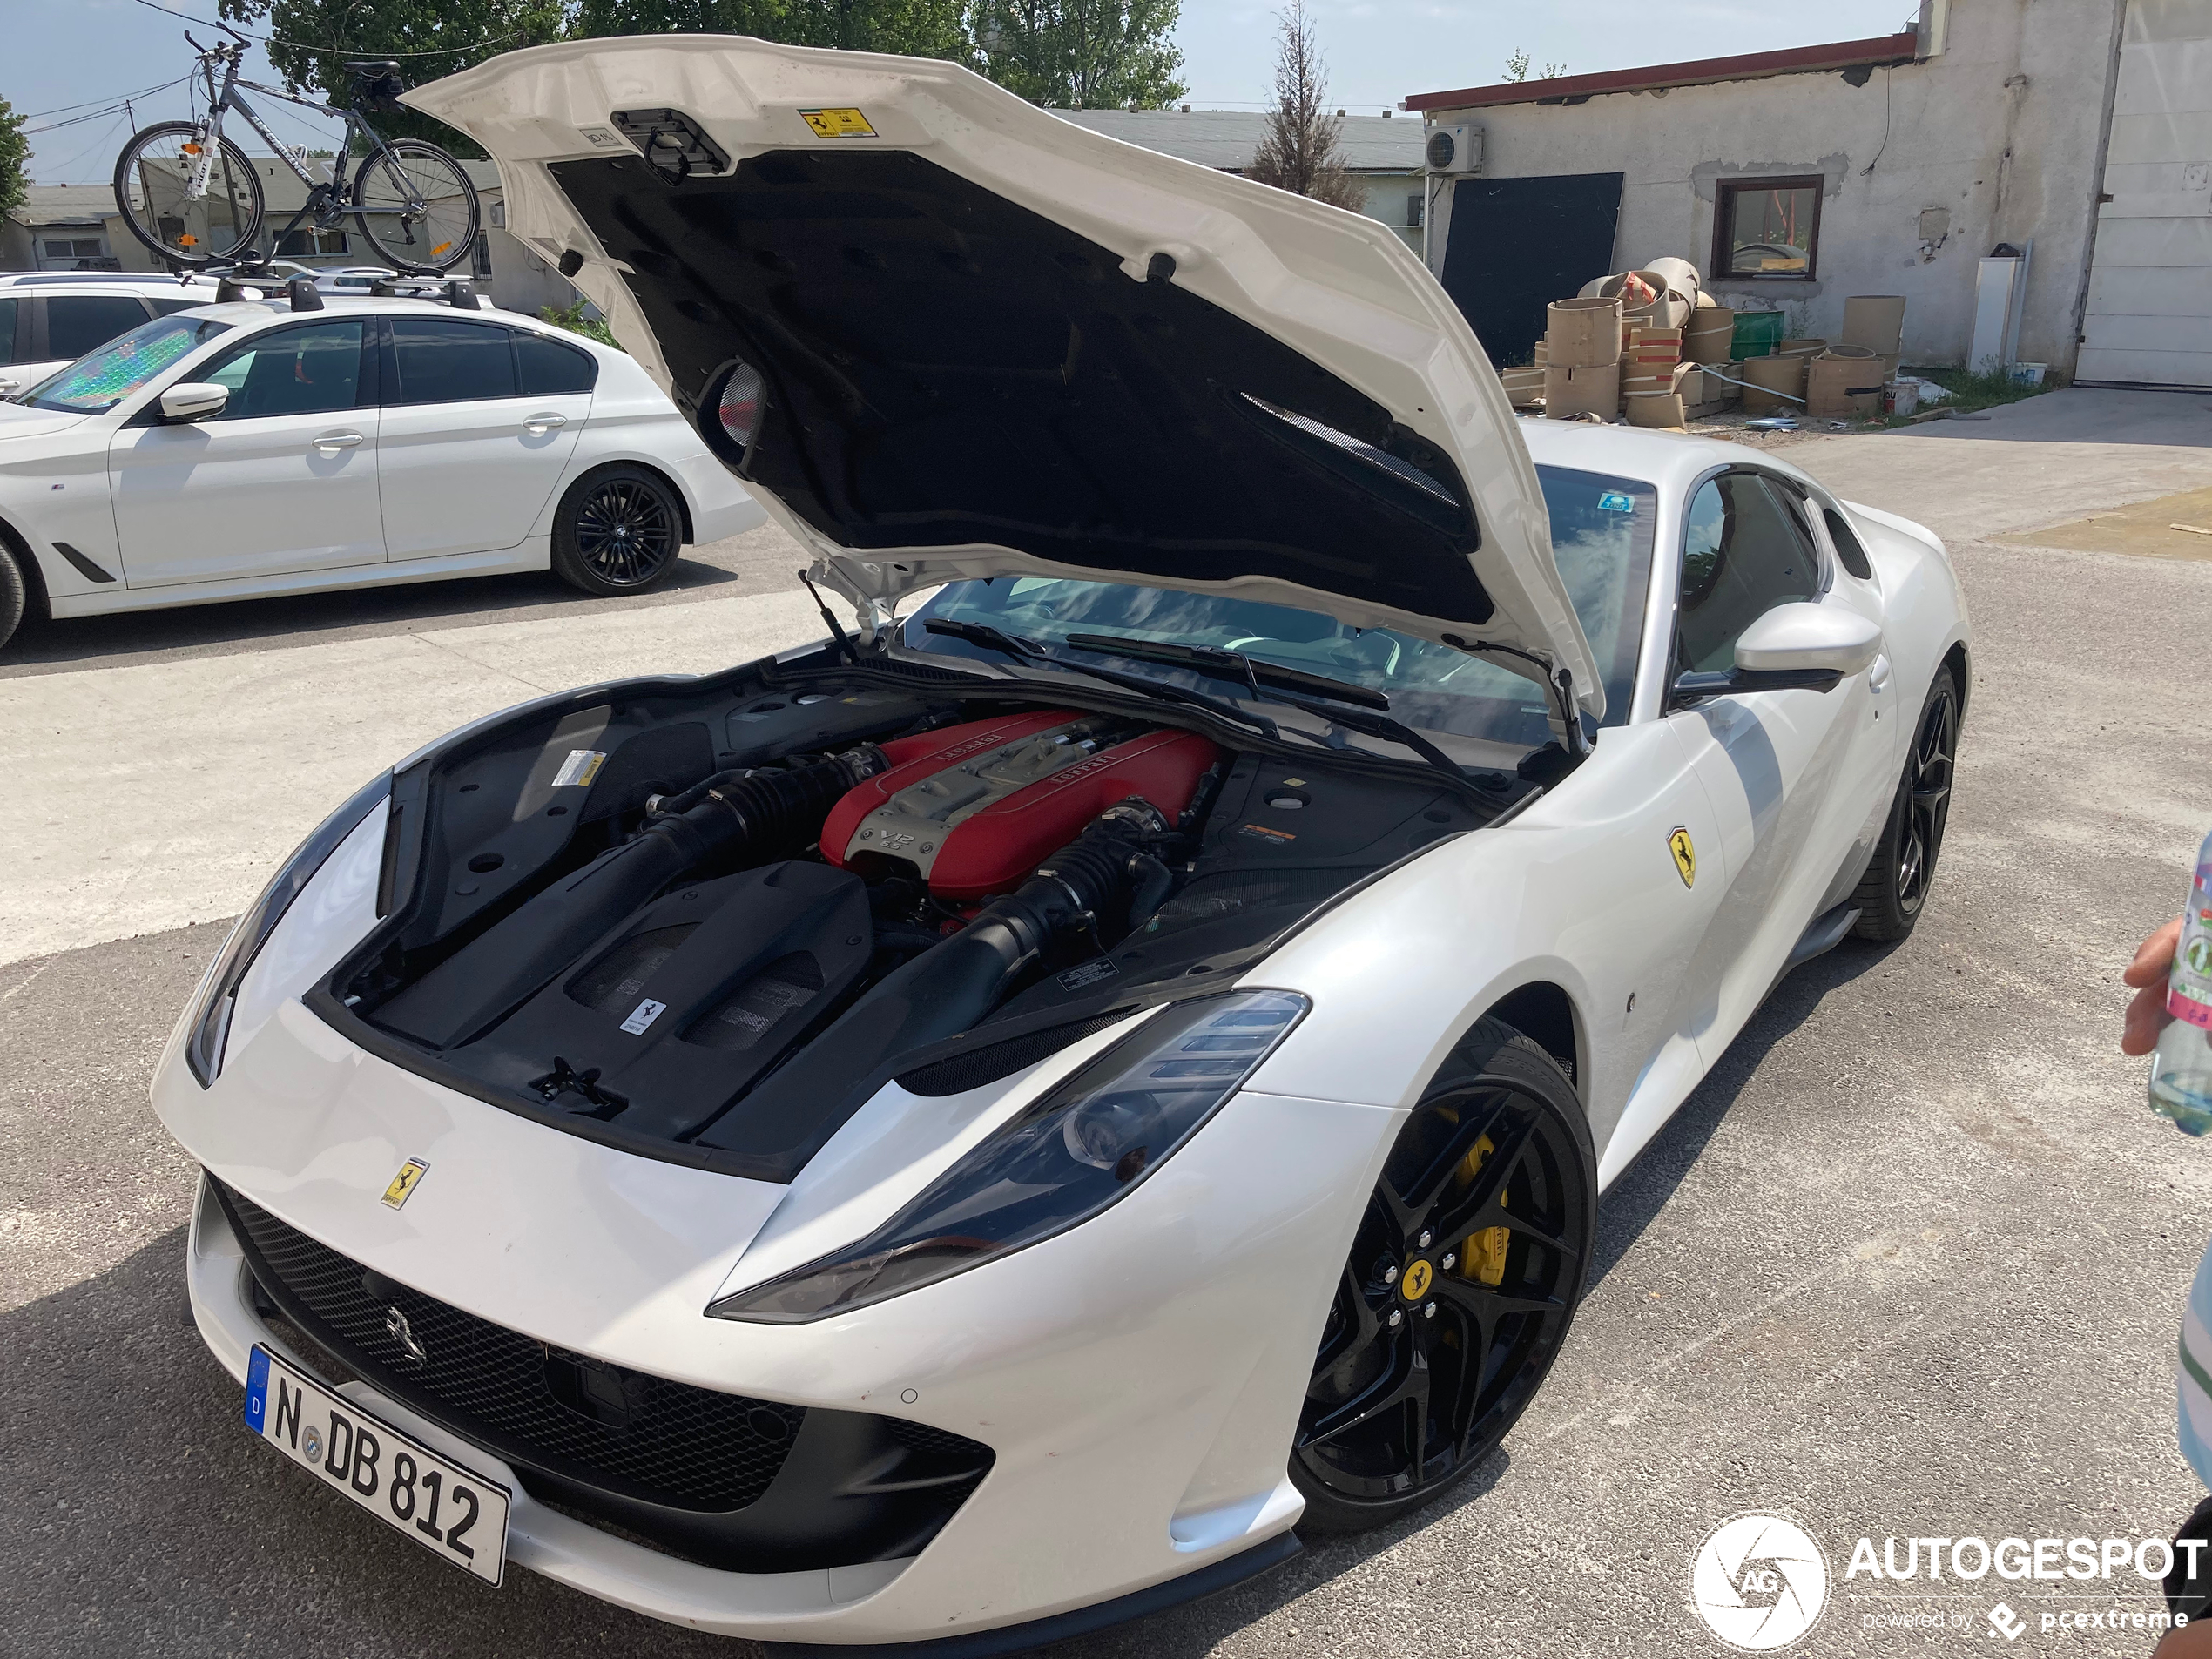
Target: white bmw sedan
[249,448]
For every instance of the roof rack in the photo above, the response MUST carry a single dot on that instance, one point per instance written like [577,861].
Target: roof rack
[459,294]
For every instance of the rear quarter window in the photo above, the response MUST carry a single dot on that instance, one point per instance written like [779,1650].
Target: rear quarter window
[548,367]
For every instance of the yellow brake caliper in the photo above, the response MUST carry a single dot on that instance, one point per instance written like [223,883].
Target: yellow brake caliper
[1485,1261]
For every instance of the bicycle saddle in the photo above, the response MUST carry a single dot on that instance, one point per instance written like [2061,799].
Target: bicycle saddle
[367,68]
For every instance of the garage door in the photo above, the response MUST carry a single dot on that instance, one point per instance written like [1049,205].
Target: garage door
[2148,320]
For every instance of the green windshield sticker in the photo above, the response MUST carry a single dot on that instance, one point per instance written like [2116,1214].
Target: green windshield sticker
[1614,501]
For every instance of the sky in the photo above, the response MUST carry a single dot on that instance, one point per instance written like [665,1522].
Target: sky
[68,60]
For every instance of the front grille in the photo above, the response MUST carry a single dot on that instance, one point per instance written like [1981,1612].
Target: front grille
[535,1404]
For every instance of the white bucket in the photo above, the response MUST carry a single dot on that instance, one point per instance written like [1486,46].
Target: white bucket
[1902,397]
[2028,373]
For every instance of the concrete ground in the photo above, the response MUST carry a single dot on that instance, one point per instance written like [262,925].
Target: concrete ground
[1908,1264]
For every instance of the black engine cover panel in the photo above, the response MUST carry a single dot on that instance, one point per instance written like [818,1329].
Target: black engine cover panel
[684,1005]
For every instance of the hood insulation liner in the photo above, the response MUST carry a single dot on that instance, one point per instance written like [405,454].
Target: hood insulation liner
[946,368]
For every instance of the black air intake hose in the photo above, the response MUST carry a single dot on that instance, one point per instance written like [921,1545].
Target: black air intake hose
[740,818]
[946,989]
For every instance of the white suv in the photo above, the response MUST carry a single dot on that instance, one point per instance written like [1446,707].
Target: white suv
[259,447]
[49,318]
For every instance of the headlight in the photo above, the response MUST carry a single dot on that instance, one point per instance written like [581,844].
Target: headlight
[1061,1160]
[208,1018]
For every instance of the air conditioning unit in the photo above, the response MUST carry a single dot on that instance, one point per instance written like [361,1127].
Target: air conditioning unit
[1454,150]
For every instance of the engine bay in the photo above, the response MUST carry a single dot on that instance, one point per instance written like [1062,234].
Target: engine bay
[709,921]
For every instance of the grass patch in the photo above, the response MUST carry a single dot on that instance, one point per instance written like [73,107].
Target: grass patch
[1971,390]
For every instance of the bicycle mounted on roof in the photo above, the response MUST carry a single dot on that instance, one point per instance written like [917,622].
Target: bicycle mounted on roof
[193,197]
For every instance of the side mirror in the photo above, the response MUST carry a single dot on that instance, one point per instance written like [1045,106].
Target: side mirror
[193,401]
[1793,647]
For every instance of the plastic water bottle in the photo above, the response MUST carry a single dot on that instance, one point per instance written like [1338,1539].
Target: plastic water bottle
[2181,1071]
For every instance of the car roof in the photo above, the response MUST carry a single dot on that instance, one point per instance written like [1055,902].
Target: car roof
[1673,461]
[253,313]
[77,281]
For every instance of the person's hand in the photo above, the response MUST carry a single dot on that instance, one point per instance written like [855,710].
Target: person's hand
[2147,1015]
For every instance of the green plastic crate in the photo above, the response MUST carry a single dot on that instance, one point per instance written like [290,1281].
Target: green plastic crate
[1757,333]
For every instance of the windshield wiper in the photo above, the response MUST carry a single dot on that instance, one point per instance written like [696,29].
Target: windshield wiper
[1022,651]
[1233,665]
[1286,685]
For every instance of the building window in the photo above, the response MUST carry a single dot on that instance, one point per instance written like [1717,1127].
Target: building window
[307,244]
[1767,228]
[480,258]
[1416,204]
[75,248]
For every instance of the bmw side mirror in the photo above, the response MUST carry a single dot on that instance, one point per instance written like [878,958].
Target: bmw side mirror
[1794,647]
[193,401]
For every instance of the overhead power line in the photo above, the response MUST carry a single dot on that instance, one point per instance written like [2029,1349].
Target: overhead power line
[310,46]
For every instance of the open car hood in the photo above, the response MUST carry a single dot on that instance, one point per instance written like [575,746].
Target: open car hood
[992,342]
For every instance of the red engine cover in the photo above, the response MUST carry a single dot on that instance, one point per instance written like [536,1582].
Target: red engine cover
[906,813]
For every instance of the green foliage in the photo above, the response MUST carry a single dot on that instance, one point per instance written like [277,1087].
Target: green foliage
[571,318]
[430,38]
[1517,68]
[1082,54]
[918,28]
[1972,389]
[15,159]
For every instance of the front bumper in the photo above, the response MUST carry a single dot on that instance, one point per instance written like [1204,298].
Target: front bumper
[1137,1379]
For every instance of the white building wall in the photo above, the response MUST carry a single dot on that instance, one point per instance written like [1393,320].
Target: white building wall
[1999,139]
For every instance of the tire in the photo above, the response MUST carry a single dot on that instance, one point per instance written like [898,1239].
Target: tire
[15,595]
[1393,1416]
[235,178]
[439,239]
[617,530]
[1894,890]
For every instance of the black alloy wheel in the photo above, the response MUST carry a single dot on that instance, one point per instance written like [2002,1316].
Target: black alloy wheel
[1462,1281]
[618,531]
[1895,888]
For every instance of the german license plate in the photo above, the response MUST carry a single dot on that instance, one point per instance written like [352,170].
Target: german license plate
[449,1510]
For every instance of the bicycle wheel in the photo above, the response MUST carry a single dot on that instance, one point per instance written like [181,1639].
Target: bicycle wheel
[416,206]
[152,177]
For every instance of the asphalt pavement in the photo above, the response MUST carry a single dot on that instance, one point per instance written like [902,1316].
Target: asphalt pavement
[1908,1265]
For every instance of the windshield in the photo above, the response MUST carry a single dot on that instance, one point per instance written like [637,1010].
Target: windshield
[1603,533]
[98,381]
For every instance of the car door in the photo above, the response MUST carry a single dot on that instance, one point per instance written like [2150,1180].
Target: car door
[471,454]
[282,480]
[1773,763]
[15,344]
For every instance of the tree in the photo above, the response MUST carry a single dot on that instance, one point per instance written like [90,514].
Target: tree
[1517,68]
[15,159]
[1299,153]
[312,39]
[1082,54]
[919,28]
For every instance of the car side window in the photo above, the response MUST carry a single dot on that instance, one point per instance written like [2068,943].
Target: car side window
[1746,552]
[313,369]
[169,307]
[451,362]
[77,323]
[8,351]
[548,367]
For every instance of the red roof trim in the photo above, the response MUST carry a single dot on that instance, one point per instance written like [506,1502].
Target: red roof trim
[1842,54]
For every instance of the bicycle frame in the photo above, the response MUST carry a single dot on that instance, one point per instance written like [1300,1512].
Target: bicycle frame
[320,195]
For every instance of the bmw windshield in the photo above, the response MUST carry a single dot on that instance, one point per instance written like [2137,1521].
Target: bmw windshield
[98,381]
[1602,532]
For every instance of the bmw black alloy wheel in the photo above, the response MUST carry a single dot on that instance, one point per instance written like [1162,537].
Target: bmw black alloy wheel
[625,532]
[1459,1290]
[1935,748]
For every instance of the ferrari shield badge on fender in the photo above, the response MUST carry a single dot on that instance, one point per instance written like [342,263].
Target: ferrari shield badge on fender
[404,1183]
[1685,854]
